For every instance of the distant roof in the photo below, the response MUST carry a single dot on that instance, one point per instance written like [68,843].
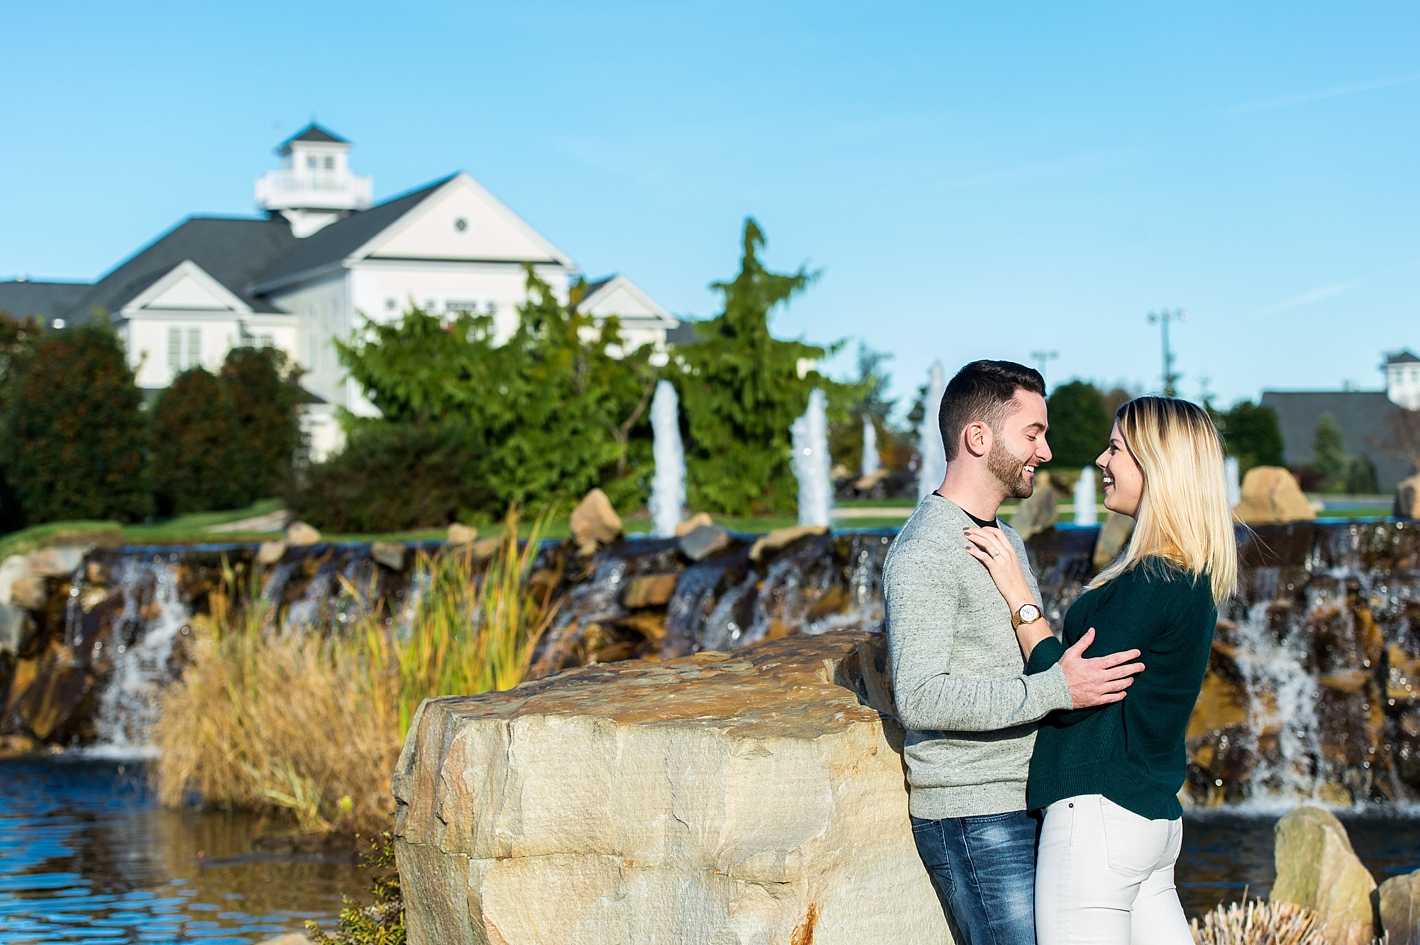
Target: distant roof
[329,245]
[312,132]
[1362,416]
[234,251]
[1401,357]
[44,300]
[682,334]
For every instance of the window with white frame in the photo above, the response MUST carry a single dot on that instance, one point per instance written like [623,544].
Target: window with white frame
[175,349]
[194,347]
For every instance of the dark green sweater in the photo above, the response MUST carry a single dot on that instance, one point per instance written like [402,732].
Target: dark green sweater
[1131,751]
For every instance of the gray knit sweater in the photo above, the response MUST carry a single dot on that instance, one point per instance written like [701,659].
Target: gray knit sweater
[957,671]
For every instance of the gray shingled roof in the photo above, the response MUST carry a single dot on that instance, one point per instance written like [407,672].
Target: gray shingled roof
[1362,416]
[232,251]
[44,300]
[312,132]
[328,246]
[1401,357]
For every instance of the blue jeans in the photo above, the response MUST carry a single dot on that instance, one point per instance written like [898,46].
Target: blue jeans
[984,871]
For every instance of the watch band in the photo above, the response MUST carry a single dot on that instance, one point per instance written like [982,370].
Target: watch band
[1018,618]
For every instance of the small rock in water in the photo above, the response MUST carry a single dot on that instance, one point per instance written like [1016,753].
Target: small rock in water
[1407,502]
[59,687]
[299,534]
[1318,870]
[1270,494]
[485,548]
[700,543]
[1114,536]
[61,561]
[594,522]
[692,523]
[781,538]
[391,554]
[270,553]
[1039,512]
[1400,909]
[649,590]
[461,534]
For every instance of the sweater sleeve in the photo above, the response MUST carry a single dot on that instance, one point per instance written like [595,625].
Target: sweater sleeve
[921,614]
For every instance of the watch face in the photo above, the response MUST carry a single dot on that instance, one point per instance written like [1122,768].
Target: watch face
[1029,612]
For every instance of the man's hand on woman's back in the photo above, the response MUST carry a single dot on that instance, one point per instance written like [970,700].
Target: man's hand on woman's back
[1099,680]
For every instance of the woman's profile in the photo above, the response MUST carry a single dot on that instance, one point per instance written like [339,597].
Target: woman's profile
[1107,778]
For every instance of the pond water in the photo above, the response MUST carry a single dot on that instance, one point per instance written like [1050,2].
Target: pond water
[86,855]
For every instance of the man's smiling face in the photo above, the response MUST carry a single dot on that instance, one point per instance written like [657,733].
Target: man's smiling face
[1019,446]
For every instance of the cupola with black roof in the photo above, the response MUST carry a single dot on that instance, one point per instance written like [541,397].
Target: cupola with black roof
[314,186]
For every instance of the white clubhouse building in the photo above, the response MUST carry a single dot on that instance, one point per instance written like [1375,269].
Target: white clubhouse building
[323,256]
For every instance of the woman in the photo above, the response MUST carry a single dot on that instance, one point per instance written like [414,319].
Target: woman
[1107,777]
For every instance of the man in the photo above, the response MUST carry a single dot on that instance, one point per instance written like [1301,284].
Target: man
[958,674]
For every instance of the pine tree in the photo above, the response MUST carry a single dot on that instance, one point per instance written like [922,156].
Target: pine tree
[74,431]
[196,445]
[742,388]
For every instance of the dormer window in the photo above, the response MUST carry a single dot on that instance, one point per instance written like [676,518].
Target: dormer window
[311,161]
[330,163]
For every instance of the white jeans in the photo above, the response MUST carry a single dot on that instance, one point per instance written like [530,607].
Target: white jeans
[1104,876]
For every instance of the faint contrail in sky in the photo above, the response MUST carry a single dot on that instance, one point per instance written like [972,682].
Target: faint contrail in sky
[1336,91]
[1308,297]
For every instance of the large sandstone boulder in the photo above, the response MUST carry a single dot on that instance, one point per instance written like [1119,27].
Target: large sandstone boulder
[753,797]
[1400,909]
[1270,495]
[1114,536]
[1407,499]
[1318,870]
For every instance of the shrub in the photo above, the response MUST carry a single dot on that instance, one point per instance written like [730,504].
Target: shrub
[381,923]
[266,395]
[74,434]
[1260,923]
[397,476]
[1252,434]
[195,442]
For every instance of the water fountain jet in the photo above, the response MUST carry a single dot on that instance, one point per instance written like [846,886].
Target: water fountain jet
[932,456]
[668,486]
[809,434]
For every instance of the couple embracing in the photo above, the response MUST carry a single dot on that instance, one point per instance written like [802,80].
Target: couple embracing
[1044,763]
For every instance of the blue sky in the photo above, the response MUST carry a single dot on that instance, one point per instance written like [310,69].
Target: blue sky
[981,180]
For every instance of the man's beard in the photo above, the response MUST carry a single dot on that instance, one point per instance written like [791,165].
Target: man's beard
[1010,471]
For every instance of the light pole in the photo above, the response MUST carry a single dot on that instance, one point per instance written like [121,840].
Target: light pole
[1163,318]
[1041,357]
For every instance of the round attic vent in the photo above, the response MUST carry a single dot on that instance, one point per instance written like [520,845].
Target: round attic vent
[460,224]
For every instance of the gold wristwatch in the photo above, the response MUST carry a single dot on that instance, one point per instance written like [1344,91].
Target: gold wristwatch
[1029,613]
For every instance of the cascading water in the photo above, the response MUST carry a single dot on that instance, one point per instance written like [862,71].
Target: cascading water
[1085,497]
[932,457]
[1231,470]
[154,617]
[668,485]
[809,435]
[871,461]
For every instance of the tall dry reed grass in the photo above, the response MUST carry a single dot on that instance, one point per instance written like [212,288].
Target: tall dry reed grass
[310,721]
[1257,922]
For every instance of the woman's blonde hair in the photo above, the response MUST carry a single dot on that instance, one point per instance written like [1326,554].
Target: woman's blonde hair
[1184,516]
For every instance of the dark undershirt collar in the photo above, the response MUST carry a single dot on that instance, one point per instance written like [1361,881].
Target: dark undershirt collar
[980,522]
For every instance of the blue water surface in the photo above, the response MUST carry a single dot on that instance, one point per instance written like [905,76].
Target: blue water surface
[86,855]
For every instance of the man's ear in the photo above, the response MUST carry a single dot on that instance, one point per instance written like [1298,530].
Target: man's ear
[977,438]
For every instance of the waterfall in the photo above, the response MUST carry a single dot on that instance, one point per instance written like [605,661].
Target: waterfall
[810,438]
[153,618]
[932,457]
[870,447]
[1085,497]
[668,486]
[1230,468]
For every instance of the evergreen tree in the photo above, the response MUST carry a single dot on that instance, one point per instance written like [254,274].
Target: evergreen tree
[742,388]
[1329,454]
[265,392]
[1251,434]
[845,438]
[74,437]
[196,444]
[1079,425]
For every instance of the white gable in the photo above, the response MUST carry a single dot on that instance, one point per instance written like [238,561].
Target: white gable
[462,221]
[186,287]
[621,297]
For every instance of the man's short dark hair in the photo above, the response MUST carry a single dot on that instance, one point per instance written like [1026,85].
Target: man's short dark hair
[983,390]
